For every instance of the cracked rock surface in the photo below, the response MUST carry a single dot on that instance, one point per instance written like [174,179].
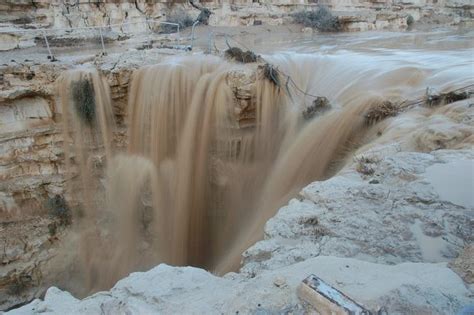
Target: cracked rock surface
[394,215]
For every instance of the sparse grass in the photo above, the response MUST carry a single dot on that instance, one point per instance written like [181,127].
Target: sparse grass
[83,96]
[321,19]
[178,16]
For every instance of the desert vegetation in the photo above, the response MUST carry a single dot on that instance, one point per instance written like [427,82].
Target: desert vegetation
[84,100]
[178,16]
[321,19]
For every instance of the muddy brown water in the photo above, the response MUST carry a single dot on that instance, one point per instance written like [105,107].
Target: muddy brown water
[454,181]
[193,188]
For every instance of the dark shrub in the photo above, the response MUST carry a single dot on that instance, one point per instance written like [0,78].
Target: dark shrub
[59,209]
[83,96]
[271,74]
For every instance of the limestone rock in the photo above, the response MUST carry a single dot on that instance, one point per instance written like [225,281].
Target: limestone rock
[409,288]
[346,216]
[27,246]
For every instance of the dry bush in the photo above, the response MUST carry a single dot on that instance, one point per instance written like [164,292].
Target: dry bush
[237,54]
[321,19]
[180,17]
[380,112]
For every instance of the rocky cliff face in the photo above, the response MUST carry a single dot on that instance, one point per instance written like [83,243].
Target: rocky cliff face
[32,170]
[356,15]
[31,144]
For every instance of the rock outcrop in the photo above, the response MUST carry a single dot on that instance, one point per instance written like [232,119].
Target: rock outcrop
[391,216]
[31,151]
[32,170]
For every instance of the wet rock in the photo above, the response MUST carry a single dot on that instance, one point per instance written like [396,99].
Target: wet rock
[242,83]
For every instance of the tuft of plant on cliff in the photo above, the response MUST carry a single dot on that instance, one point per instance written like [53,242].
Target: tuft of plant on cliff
[59,210]
[237,54]
[321,19]
[83,97]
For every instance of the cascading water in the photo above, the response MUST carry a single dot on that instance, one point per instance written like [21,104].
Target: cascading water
[215,148]
[88,125]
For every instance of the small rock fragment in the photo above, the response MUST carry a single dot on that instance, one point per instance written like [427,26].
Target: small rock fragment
[279,282]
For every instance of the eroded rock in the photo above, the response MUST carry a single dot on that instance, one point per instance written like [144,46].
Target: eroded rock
[346,216]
